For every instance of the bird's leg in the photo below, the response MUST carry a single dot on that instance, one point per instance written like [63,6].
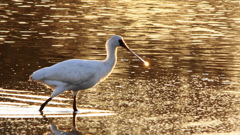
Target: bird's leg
[74,101]
[44,104]
[58,90]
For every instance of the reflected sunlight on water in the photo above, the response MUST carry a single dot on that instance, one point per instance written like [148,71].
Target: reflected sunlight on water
[190,87]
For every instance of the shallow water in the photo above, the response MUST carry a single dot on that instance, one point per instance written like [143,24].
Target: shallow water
[190,87]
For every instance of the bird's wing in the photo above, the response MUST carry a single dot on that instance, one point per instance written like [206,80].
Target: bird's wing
[71,71]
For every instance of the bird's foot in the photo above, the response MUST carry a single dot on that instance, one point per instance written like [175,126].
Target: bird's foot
[75,110]
[41,109]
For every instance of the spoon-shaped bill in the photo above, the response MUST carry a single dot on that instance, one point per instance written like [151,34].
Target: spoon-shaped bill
[123,44]
[145,63]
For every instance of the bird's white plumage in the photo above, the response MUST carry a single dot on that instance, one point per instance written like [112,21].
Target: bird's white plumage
[76,74]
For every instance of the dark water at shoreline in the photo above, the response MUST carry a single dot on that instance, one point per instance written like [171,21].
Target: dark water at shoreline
[190,87]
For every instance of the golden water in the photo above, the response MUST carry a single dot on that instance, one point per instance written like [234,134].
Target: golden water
[190,87]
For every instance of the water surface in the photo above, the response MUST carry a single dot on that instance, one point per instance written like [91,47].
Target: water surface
[190,87]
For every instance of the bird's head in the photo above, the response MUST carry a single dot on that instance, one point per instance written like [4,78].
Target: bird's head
[116,41]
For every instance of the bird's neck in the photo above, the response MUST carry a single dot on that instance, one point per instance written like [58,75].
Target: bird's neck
[111,56]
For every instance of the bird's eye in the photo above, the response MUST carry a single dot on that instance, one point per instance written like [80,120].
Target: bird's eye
[121,43]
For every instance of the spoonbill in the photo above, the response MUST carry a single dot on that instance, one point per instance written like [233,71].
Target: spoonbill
[77,74]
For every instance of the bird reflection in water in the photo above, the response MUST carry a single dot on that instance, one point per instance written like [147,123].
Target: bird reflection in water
[74,130]
[56,131]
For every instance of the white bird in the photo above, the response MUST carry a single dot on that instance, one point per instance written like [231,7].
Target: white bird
[77,74]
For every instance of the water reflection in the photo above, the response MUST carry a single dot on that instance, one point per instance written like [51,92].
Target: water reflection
[191,86]
[74,130]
